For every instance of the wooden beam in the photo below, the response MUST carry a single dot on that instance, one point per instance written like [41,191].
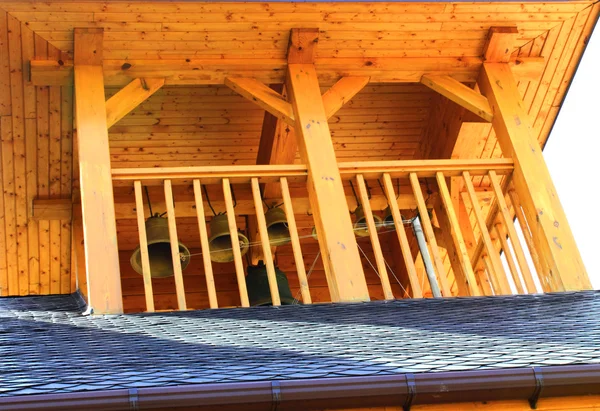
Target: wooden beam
[500,43]
[337,242]
[51,209]
[533,184]
[460,94]
[299,172]
[129,97]
[215,71]
[99,224]
[342,92]
[302,46]
[263,96]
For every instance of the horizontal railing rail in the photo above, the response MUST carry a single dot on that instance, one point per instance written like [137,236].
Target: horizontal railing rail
[467,247]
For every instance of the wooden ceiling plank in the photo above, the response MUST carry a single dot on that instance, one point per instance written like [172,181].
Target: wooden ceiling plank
[129,97]
[263,96]
[460,94]
[342,92]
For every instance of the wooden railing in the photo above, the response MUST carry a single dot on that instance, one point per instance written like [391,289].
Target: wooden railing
[470,243]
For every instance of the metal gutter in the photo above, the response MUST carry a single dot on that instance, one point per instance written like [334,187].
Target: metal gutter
[352,392]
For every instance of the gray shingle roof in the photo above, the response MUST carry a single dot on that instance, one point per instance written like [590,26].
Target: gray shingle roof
[47,346]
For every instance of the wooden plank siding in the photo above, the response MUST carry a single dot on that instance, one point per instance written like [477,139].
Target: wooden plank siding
[212,125]
[36,163]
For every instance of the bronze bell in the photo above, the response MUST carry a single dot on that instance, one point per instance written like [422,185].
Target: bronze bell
[257,284]
[360,226]
[159,250]
[314,233]
[388,219]
[221,250]
[277,227]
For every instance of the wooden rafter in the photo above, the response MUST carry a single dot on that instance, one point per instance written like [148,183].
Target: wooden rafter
[460,94]
[129,97]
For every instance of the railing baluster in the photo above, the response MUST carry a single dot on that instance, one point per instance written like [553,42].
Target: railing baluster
[428,230]
[459,242]
[291,219]
[266,245]
[492,278]
[208,271]
[409,262]
[486,287]
[512,233]
[539,264]
[495,270]
[179,288]
[145,256]
[379,260]
[235,244]
[509,257]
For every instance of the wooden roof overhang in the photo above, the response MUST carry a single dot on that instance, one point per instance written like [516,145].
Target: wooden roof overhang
[190,43]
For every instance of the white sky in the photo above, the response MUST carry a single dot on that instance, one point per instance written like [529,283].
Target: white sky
[573,157]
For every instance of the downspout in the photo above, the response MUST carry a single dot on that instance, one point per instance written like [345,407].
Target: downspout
[418,230]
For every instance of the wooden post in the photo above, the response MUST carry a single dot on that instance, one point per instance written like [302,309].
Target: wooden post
[338,245]
[533,184]
[99,225]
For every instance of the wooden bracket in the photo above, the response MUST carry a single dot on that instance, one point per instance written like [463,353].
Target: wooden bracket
[460,94]
[129,97]
[342,92]
[263,96]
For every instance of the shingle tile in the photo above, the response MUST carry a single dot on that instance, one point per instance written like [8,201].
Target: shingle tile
[47,346]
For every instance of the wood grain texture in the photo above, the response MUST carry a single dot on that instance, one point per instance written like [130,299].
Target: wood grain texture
[101,249]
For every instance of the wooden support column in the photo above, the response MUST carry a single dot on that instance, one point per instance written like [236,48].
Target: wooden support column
[532,181]
[338,245]
[98,208]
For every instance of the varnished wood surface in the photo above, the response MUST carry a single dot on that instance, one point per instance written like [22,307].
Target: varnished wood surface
[212,125]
